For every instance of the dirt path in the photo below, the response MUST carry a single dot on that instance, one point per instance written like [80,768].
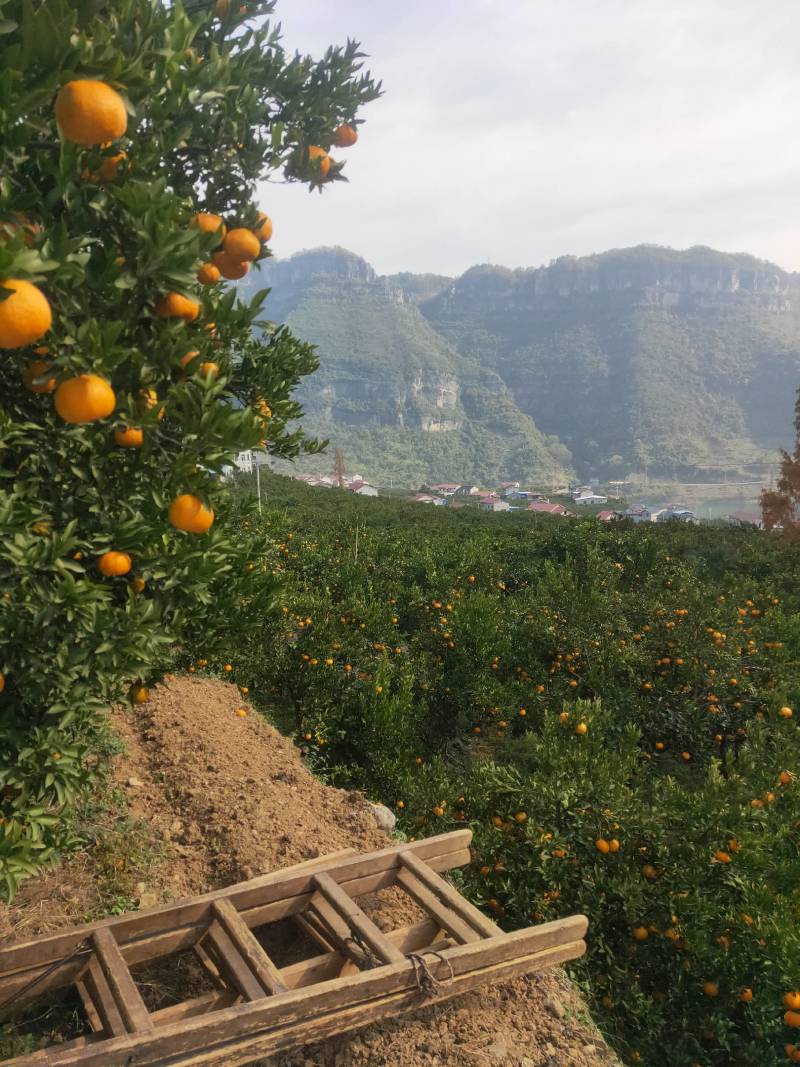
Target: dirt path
[230,798]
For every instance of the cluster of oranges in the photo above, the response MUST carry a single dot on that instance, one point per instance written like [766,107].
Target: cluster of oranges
[92,114]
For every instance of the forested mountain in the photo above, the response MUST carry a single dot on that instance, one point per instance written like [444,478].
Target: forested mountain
[685,363]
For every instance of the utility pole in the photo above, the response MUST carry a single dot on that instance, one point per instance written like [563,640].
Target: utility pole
[258,485]
[339,468]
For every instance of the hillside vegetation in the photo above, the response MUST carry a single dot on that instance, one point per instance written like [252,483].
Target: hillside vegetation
[640,359]
[613,710]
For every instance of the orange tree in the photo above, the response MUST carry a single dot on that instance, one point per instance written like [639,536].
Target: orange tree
[132,138]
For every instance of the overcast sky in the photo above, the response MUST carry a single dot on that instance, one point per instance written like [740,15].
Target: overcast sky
[515,131]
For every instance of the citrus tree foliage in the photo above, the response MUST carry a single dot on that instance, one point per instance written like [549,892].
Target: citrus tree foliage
[107,232]
[611,709]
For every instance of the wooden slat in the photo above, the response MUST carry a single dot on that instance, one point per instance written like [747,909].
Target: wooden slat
[359,923]
[98,1001]
[324,918]
[257,959]
[239,1053]
[122,986]
[168,928]
[447,919]
[449,895]
[231,964]
[368,995]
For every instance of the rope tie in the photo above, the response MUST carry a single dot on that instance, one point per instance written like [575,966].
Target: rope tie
[427,982]
[371,959]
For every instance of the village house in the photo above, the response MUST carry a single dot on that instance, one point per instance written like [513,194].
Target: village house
[507,487]
[493,503]
[544,507]
[636,513]
[443,488]
[606,516]
[362,488]
[523,495]
[671,513]
[587,499]
[467,490]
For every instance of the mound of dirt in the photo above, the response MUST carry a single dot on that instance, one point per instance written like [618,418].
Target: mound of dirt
[230,798]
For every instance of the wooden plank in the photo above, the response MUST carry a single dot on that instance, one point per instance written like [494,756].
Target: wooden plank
[449,895]
[169,928]
[237,1054]
[257,959]
[247,1020]
[98,1001]
[361,925]
[323,917]
[231,964]
[303,1016]
[121,985]
[447,919]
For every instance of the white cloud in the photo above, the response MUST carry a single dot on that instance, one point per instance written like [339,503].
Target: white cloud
[521,131]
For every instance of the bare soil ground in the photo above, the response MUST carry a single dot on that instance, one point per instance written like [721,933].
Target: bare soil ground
[228,797]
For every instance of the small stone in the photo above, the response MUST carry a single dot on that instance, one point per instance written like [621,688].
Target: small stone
[591,1051]
[384,818]
[498,1049]
[139,888]
[555,1007]
[147,900]
[135,783]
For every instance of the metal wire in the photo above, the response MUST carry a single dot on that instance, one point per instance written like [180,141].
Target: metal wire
[45,974]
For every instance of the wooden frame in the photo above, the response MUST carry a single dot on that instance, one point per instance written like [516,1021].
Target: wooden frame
[362,975]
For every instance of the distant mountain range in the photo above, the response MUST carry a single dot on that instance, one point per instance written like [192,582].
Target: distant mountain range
[683,364]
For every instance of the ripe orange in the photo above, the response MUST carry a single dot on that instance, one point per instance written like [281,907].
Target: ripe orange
[785,777]
[187,359]
[128,437]
[189,513]
[792,1000]
[229,268]
[85,398]
[242,713]
[139,694]
[37,368]
[241,244]
[746,995]
[792,1018]
[208,223]
[785,713]
[613,845]
[25,315]
[2,681]
[209,274]
[137,584]
[90,112]
[640,933]
[176,305]
[209,368]
[109,169]
[263,229]
[227,668]
[711,989]
[114,564]
[320,159]
[345,136]
[721,856]
[649,871]
[602,845]
[581,729]
[148,400]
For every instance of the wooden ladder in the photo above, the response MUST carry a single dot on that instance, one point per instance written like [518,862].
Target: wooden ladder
[257,1009]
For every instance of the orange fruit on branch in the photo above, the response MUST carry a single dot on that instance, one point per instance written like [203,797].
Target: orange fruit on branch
[187,359]
[230,268]
[241,244]
[85,398]
[320,160]
[208,223]
[209,368]
[209,274]
[90,112]
[345,136]
[113,564]
[139,694]
[188,512]
[128,437]
[177,306]
[25,315]
[792,1000]
[36,369]
[263,229]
